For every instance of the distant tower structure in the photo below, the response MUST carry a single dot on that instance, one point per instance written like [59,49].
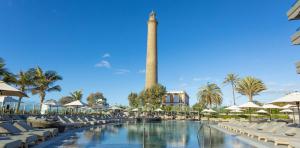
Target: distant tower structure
[151,61]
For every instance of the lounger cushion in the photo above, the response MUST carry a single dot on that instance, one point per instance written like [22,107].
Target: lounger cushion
[3,130]
[9,143]
[10,128]
[23,126]
[24,138]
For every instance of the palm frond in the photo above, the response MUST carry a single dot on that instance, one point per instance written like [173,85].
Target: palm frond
[250,87]
[54,88]
[210,94]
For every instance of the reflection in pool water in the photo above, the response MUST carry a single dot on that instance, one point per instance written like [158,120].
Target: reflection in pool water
[157,135]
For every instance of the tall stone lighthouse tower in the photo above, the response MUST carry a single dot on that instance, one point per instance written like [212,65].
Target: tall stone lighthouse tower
[151,62]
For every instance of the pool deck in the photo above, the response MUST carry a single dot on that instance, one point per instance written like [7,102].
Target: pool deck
[248,140]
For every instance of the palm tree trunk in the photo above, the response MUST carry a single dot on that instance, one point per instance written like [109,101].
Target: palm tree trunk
[233,94]
[42,97]
[18,106]
[250,98]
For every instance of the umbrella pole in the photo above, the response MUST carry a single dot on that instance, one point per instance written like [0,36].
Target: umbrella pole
[270,114]
[297,103]
[294,120]
[250,114]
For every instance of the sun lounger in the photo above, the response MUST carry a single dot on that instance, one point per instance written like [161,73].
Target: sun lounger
[15,134]
[92,122]
[85,120]
[249,131]
[6,142]
[67,123]
[71,120]
[247,126]
[290,136]
[268,128]
[42,134]
[272,130]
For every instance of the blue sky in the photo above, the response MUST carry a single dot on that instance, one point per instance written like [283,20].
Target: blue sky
[101,45]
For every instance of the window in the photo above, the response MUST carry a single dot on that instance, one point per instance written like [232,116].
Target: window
[168,99]
[176,98]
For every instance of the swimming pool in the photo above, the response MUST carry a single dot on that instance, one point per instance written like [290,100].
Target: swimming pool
[165,134]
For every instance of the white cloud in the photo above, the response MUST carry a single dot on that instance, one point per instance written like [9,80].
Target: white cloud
[121,71]
[142,71]
[106,55]
[104,64]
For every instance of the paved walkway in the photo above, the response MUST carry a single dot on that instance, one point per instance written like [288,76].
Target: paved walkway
[248,140]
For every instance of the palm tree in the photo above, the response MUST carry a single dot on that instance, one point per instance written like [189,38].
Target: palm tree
[3,71]
[250,87]
[44,82]
[76,95]
[210,94]
[133,99]
[232,79]
[23,80]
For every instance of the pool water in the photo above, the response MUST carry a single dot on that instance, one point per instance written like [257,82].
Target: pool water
[166,134]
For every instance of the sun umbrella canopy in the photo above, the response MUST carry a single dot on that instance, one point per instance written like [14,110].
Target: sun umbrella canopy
[159,110]
[233,107]
[249,105]
[76,103]
[286,111]
[5,99]
[51,103]
[262,111]
[7,90]
[288,106]
[208,111]
[292,97]
[236,111]
[270,106]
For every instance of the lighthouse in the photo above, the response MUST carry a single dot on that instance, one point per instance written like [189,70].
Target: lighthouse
[151,58]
